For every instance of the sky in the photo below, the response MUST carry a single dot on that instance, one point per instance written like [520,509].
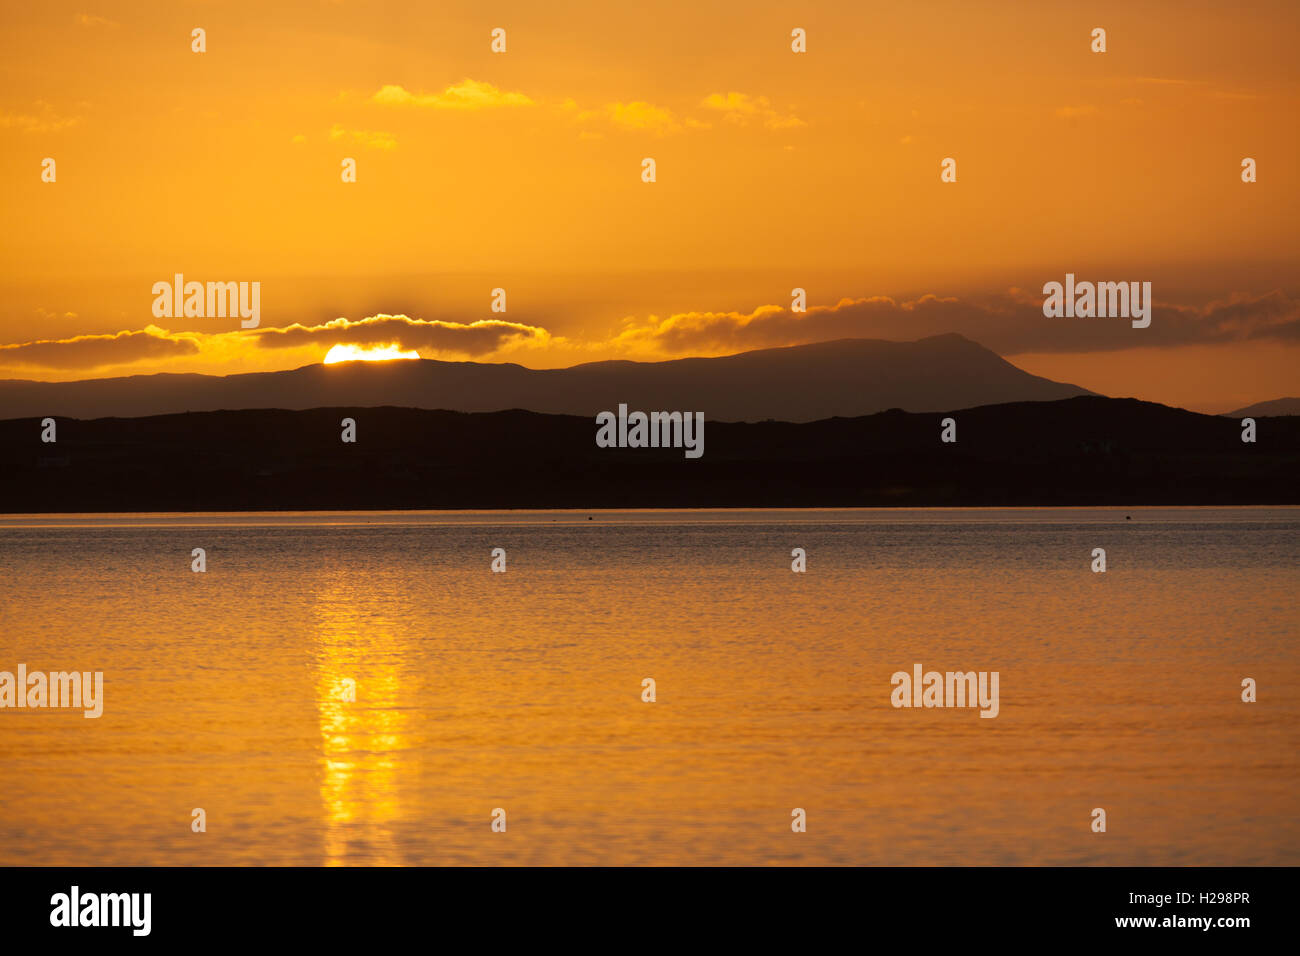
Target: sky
[774,170]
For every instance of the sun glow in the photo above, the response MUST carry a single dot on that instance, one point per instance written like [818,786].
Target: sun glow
[378,353]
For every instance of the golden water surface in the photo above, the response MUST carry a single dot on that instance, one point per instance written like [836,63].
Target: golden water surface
[522,690]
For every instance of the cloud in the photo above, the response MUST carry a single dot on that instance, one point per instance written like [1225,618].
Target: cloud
[466,95]
[636,115]
[473,338]
[163,347]
[95,351]
[1201,87]
[361,137]
[742,109]
[628,115]
[1272,316]
[43,120]
[1073,112]
[1009,323]
[1166,81]
[88,20]
[768,326]
[736,104]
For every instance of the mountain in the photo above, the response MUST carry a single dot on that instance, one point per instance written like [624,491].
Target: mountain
[799,383]
[1077,451]
[1278,406]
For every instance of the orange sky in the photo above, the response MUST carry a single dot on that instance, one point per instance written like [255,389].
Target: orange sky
[774,170]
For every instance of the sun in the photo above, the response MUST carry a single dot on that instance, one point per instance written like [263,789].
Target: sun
[377,353]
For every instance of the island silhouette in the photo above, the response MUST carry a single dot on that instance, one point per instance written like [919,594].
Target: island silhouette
[1083,451]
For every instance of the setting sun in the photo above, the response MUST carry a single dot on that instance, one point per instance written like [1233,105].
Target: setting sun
[355,353]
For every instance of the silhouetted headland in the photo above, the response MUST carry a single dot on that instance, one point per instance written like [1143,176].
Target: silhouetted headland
[1079,451]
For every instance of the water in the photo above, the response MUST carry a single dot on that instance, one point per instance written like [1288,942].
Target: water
[522,690]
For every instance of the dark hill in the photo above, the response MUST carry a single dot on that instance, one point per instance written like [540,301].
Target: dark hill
[1278,406]
[1080,451]
[799,383]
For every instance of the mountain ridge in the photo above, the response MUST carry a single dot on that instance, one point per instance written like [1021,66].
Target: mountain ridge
[787,383]
[1273,407]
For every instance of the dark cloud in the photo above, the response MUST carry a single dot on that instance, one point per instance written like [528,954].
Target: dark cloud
[1011,323]
[474,338]
[92,351]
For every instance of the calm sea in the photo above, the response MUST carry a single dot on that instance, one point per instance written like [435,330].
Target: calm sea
[475,690]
